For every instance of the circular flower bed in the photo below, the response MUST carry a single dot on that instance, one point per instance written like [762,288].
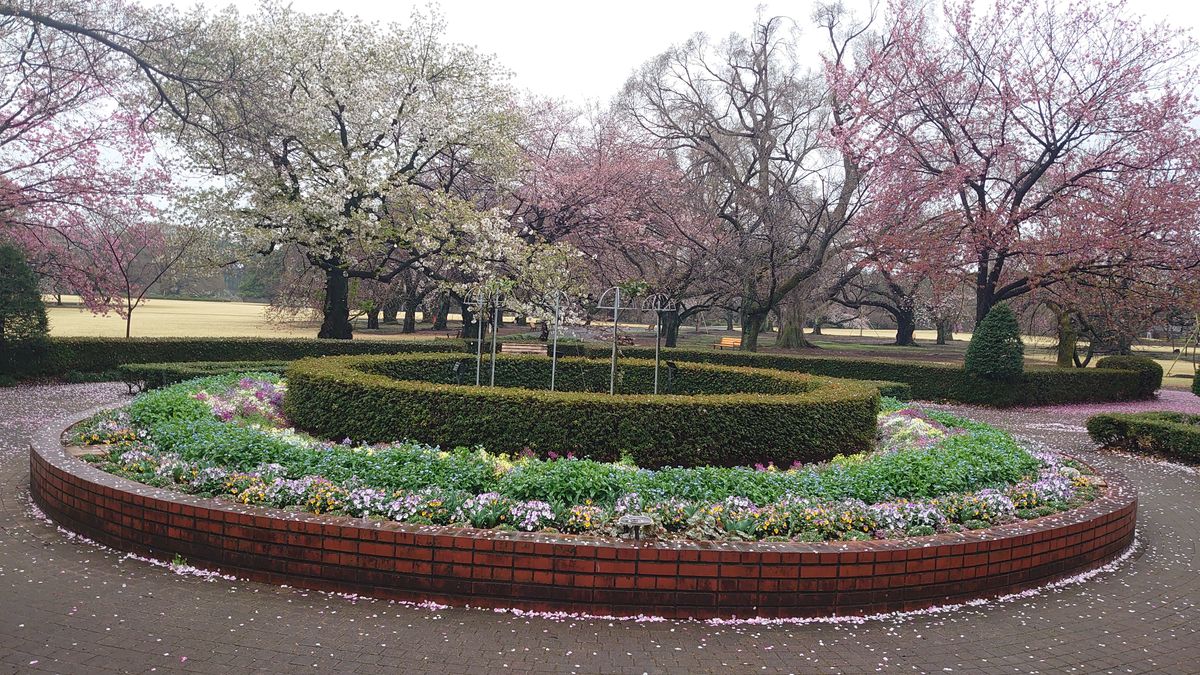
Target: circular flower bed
[929,473]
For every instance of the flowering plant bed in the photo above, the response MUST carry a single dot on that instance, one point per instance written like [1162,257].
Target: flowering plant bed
[929,473]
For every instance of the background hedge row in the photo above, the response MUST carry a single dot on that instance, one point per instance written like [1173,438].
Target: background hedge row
[939,382]
[1162,433]
[1117,378]
[93,354]
[792,417]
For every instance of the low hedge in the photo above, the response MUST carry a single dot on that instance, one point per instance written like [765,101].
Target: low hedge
[777,417]
[1149,372]
[1170,434]
[936,382]
[154,375]
[92,354]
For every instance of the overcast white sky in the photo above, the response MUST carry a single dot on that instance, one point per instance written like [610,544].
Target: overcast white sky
[580,50]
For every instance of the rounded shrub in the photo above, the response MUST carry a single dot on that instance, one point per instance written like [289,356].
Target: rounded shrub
[1150,374]
[715,415]
[996,351]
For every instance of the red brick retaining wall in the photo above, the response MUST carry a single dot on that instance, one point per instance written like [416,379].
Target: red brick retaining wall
[563,573]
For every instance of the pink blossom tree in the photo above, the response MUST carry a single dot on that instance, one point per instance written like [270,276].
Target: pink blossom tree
[1059,136]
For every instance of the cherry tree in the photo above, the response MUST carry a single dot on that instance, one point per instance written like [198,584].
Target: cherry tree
[1059,136]
[361,151]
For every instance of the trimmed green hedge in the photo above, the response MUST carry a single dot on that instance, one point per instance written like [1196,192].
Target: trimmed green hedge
[1163,433]
[777,417]
[91,355]
[935,382]
[156,375]
[1150,374]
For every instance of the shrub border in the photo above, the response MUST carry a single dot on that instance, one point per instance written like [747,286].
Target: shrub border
[934,381]
[1148,432]
[326,396]
[547,572]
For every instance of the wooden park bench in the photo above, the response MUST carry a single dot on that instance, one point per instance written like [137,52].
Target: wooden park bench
[729,343]
[522,348]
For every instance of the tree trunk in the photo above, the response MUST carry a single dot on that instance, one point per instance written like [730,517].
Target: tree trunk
[752,325]
[906,324]
[466,331]
[128,323]
[440,321]
[985,296]
[817,328]
[671,321]
[945,331]
[1068,338]
[521,320]
[410,316]
[373,318]
[335,324]
[728,320]
[791,327]
[391,311]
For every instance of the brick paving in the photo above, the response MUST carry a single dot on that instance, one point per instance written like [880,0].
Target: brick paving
[66,606]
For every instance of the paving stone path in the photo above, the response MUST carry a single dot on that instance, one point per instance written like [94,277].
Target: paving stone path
[66,606]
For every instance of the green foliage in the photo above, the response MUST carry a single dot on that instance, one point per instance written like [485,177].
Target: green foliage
[996,351]
[978,457]
[1150,374]
[92,354]
[931,381]
[1170,434]
[23,323]
[156,375]
[780,417]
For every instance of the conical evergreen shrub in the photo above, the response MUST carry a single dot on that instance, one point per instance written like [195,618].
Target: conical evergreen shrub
[23,324]
[996,351]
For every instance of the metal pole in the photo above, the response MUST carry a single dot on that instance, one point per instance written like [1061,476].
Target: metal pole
[479,339]
[612,375]
[495,327]
[554,342]
[657,340]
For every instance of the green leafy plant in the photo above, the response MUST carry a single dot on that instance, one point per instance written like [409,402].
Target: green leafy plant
[23,322]
[996,351]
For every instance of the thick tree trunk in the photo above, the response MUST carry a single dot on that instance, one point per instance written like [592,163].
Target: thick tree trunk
[671,321]
[791,327]
[906,325]
[1068,338]
[817,328]
[335,323]
[752,326]
[391,311]
[468,330]
[373,319]
[440,321]
[945,331]
[521,320]
[410,316]
[728,320]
